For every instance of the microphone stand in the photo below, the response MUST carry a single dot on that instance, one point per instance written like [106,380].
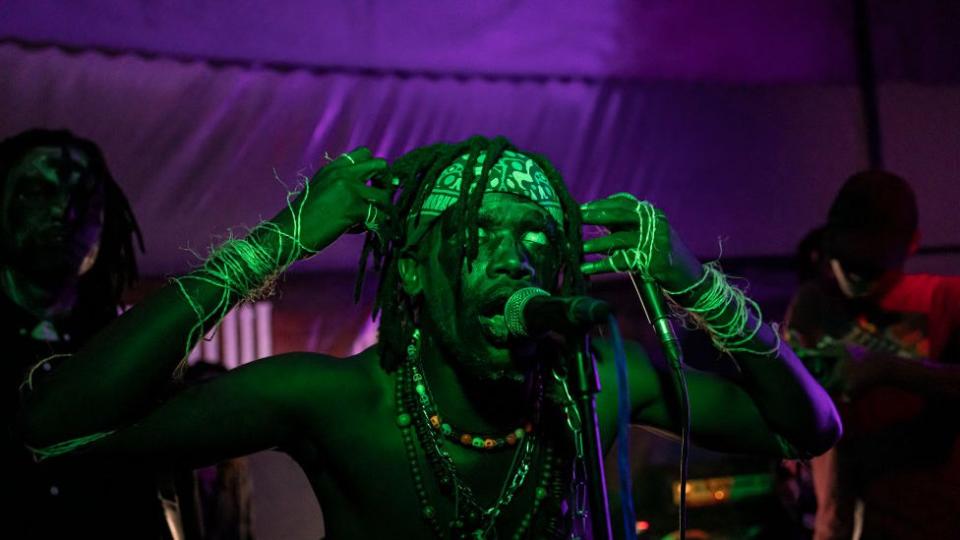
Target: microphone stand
[586,388]
[652,302]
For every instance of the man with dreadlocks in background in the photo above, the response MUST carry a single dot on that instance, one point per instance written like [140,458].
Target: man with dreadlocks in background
[448,427]
[66,242]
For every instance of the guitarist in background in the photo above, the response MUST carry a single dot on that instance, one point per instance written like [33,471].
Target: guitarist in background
[886,345]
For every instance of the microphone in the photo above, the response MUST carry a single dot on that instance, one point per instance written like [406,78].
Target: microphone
[653,299]
[532,311]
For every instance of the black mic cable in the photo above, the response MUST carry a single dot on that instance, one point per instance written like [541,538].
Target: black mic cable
[651,298]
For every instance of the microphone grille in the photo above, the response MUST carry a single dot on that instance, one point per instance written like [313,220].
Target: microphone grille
[513,310]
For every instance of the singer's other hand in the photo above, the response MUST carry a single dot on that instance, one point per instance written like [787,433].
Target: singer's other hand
[623,246]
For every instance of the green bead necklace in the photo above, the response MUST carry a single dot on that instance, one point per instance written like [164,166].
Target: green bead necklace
[462,437]
[470,519]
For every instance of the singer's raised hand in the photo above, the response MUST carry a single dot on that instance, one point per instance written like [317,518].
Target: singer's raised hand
[639,239]
[340,200]
[775,399]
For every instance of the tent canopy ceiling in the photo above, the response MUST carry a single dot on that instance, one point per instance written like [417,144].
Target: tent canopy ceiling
[740,121]
[735,41]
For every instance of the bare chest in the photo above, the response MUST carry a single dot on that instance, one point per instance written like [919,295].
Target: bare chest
[370,481]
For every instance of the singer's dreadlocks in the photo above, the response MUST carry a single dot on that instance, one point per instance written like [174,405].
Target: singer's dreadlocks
[414,175]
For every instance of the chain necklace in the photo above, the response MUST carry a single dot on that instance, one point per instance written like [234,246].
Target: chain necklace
[470,519]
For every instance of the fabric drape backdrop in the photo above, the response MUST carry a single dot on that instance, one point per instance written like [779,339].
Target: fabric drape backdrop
[198,148]
[739,118]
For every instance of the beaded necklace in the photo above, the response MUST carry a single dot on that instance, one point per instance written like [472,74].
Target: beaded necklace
[470,519]
[479,442]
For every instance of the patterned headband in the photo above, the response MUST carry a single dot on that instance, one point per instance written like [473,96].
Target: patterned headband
[513,173]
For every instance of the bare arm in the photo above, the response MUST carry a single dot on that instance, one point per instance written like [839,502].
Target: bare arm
[119,372]
[254,407]
[791,402]
[774,393]
[117,375]
[724,416]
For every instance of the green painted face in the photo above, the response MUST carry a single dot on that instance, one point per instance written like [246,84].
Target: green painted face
[52,212]
[518,242]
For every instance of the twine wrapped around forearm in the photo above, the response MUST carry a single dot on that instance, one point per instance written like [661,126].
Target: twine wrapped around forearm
[717,307]
[241,268]
[245,268]
[724,312]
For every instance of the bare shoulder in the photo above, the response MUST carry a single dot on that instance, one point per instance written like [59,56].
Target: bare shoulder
[311,366]
[328,399]
[318,387]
